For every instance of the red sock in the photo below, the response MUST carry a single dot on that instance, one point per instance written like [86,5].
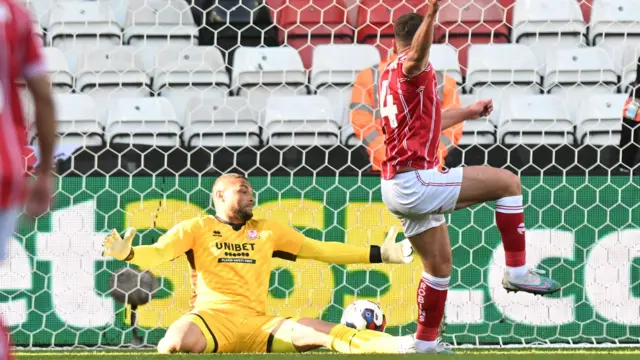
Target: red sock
[5,343]
[432,296]
[510,222]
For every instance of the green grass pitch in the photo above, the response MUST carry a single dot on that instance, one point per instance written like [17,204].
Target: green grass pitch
[462,354]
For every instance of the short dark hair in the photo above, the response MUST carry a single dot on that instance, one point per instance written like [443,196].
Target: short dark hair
[406,27]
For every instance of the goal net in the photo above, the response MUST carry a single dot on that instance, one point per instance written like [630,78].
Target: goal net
[156,98]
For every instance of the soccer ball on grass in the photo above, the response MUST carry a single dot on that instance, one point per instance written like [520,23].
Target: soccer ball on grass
[364,314]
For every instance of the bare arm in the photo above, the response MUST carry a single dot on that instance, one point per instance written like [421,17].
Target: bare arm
[40,88]
[452,117]
[418,56]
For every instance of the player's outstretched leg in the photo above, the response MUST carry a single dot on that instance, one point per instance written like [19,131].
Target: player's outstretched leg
[481,184]
[307,334]
[5,343]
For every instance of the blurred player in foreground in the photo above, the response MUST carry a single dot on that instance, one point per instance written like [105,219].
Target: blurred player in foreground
[21,59]
[418,194]
[232,253]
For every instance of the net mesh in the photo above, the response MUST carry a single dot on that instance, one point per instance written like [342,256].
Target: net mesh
[156,98]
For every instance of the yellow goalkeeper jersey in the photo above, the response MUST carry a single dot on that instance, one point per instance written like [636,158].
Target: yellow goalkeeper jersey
[232,262]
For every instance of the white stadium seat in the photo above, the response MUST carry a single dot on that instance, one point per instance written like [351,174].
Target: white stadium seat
[109,74]
[78,121]
[535,119]
[335,68]
[600,119]
[182,72]
[145,121]
[76,27]
[480,131]
[154,24]
[301,120]
[444,58]
[578,73]
[259,73]
[497,71]
[614,23]
[546,25]
[219,122]
[58,69]
[629,66]
[40,10]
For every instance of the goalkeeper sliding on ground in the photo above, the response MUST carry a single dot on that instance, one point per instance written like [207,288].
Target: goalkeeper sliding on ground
[232,253]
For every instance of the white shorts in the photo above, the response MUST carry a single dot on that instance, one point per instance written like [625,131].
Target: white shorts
[420,198]
[8,222]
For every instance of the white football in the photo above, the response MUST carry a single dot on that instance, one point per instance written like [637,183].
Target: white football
[364,314]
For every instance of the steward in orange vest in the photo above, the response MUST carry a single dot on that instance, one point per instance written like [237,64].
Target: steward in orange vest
[366,121]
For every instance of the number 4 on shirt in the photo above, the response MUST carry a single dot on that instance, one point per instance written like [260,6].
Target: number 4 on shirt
[388,109]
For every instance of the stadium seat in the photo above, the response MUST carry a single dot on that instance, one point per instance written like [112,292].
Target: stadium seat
[229,24]
[58,69]
[304,24]
[143,121]
[465,22]
[348,136]
[480,131]
[579,72]
[78,121]
[218,122]
[374,23]
[259,73]
[599,120]
[76,27]
[508,6]
[498,71]
[614,23]
[548,25]
[301,121]
[109,74]
[535,120]
[154,24]
[335,68]
[39,10]
[182,72]
[444,58]
[630,65]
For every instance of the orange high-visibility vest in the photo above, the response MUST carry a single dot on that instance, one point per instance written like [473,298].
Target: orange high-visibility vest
[366,121]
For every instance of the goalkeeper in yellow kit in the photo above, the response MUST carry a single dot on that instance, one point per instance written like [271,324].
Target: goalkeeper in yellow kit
[232,256]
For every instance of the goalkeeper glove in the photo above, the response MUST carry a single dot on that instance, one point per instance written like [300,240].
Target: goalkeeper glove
[396,253]
[117,247]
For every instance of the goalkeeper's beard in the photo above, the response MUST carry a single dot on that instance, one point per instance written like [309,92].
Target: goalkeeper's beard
[244,215]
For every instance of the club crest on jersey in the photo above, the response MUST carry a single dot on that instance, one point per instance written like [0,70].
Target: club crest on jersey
[253,234]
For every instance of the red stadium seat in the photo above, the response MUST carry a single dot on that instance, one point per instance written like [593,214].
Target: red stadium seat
[465,22]
[376,17]
[585,6]
[303,24]
[508,5]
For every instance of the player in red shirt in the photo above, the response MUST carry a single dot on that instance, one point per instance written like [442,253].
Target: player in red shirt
[418,194]
[21,59]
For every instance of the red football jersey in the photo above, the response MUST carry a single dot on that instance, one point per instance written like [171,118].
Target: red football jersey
[20,57]
[411,118]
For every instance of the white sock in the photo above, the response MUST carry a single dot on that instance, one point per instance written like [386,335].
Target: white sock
[517,272]
[424,346]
